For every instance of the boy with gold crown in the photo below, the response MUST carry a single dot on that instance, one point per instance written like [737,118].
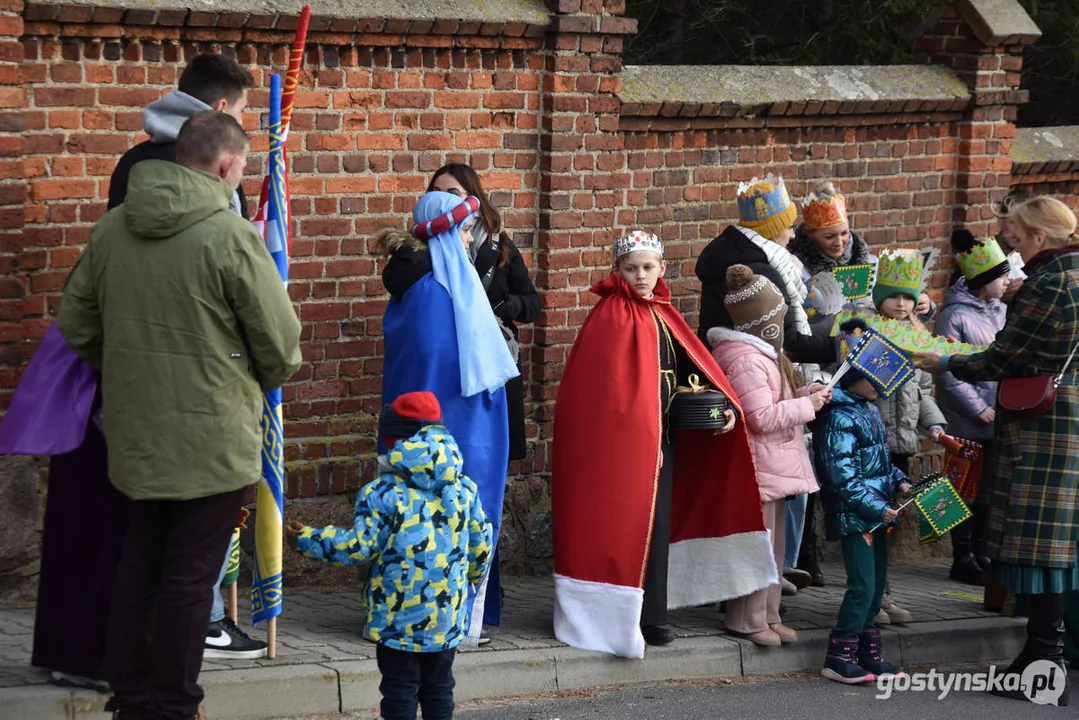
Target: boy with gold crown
[974,312]
[646,516]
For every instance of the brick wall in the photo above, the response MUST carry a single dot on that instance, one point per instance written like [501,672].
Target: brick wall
[534,107]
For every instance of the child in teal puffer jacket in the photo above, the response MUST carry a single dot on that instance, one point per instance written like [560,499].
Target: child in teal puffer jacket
[423,528]
[858,487]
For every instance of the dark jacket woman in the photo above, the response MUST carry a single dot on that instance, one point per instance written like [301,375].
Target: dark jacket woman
[514,300]
[741,246]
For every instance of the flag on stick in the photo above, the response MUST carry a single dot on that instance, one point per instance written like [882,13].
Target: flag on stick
[273,221]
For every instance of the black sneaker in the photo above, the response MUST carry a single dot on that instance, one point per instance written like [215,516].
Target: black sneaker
[225,640]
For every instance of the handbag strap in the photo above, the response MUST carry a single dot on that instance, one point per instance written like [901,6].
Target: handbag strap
[1060,378]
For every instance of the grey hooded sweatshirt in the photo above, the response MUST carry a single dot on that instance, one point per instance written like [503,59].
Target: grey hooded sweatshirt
[162,120]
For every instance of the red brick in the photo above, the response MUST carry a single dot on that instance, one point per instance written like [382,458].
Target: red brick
[457,99]
[129,97]
[63,97]
[99,144]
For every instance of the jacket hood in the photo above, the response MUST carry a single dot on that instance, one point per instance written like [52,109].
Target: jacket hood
[960,294]
[429,460]
[843,397]
[162,119]
[734,247]
[718,336]
[164,199]
[409,261]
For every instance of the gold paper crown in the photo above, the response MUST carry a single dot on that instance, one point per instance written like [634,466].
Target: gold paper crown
[983,257]
[824,212]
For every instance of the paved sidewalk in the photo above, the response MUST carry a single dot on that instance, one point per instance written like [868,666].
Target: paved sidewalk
[325,666]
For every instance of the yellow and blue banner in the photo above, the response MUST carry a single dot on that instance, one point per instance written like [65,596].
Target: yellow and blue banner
[273,222]
[272,219]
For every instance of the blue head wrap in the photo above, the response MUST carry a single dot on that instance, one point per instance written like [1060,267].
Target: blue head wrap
[486,363]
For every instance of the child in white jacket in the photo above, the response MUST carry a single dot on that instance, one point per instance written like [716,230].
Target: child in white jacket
[775,412]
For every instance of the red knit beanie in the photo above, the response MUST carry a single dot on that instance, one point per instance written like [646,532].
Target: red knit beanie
[407,415]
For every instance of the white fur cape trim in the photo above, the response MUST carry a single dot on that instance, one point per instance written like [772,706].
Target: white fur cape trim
[598,616]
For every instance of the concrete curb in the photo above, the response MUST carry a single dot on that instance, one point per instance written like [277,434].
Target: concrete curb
[274,692]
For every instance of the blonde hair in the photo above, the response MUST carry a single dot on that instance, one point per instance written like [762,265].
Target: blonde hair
[1048,216]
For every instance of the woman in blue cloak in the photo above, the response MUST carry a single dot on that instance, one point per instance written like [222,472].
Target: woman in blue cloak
[442,336]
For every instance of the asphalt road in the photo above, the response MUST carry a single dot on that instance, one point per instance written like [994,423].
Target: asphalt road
[797,697]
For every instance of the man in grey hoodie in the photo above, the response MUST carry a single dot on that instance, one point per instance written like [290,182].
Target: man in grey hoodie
[209,82]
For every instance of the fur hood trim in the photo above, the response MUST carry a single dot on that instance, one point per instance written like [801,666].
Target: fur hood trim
[718,335]
[390,240]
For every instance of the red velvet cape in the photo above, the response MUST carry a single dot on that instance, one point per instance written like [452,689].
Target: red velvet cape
[607,453]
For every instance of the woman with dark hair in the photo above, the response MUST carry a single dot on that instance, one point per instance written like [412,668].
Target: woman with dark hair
[513,298]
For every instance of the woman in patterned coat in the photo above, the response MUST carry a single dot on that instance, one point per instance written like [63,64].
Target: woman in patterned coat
[1034,495]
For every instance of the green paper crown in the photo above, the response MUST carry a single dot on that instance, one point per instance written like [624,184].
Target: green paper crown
[983,257]
[905,336]
[901,270]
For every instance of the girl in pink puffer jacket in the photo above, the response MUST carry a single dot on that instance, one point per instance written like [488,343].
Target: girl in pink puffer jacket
[775,411]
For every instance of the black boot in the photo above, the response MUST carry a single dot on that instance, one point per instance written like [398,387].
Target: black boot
[807,553]
[1045,641]
[979,528]
[657,635]
[965,566]
[965,569]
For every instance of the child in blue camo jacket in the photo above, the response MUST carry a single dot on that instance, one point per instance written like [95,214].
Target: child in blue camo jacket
[423,528]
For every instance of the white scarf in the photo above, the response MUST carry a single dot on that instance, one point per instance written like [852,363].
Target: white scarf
[784,263]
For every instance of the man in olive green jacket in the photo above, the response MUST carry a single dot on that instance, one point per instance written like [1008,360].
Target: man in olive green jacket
[178,304]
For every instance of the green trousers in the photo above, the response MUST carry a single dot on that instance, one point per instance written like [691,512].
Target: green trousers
[867,575]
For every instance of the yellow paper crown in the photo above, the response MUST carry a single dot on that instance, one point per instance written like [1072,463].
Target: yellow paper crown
[824,212]
[984,256]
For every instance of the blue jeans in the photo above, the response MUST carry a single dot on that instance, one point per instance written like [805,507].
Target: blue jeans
[796,520]
[415,678]
[217,610]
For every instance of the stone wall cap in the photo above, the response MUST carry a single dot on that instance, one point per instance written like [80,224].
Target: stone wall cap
[760,88]
[1035,146]
[999,22]
[529,12]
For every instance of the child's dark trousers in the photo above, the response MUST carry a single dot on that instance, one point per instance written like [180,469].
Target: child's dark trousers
[416,678]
